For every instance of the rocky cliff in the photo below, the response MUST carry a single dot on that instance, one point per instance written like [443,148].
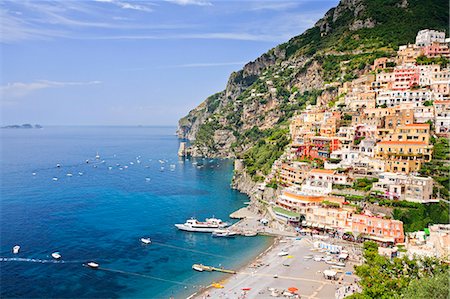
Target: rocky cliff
[259,100]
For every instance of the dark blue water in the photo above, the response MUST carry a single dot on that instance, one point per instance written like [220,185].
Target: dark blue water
[101,214]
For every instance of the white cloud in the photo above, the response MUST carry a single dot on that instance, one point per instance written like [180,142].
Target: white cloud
[190,2]
[262,5]
[128,5]
[20,89]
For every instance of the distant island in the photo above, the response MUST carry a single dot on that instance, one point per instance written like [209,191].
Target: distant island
[24,126]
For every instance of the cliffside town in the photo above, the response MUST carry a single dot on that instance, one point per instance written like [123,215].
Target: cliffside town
[346,140]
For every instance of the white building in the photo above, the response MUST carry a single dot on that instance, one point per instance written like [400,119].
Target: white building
[393,98]
[442,117]
[427,36]
[405,187]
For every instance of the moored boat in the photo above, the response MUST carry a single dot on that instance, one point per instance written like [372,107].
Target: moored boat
[208,226]
[16,249]
[201,268]
[93,265]
[56,255]
[146,240]
[223,233]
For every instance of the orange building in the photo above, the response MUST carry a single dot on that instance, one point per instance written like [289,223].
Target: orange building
[378,229]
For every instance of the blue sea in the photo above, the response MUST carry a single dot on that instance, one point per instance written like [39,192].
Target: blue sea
[102,210]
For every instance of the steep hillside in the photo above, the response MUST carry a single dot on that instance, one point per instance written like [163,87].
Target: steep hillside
[249,118]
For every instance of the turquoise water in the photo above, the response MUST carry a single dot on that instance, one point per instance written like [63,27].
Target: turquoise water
[101,214]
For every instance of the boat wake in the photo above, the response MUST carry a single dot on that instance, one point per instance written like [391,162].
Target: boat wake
[19,259]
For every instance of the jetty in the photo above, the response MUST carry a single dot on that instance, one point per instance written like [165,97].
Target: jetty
[201,267]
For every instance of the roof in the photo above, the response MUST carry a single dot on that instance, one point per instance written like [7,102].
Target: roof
[325,171]
[403,142]
[418,125]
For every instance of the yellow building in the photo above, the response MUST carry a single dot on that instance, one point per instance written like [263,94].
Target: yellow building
[411,132]
[403,156]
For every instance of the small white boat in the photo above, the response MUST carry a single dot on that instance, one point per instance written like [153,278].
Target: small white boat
[131,163]
[34,173]
[197,268]
[93,265]
[223,233]
[16,249]
[146,240]
[250,234]
[56,255]
[55,179]
[283,253]
[97,156]
[58,165]
[125,166]
[80,173]
[69,174]
[147,179]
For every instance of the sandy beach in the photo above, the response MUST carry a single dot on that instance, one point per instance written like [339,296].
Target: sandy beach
[297,269]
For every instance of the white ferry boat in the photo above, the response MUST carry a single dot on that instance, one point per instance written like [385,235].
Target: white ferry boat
[208,226]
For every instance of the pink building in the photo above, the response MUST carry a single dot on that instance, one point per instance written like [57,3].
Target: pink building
[378,229]
[436,50]
[406,77]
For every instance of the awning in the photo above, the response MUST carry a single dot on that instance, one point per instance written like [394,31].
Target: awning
[321,226]
[328,227]
[308,224]
[329,273]
[304,222]
[343,256]
[381,239]
[315,225]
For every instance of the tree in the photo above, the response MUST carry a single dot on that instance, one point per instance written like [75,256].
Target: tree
[436,287]
[385,278]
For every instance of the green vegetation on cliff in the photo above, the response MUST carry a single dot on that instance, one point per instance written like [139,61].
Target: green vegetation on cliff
[259,159]
[439,167]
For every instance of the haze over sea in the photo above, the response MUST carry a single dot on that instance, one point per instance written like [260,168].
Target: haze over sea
[102,214]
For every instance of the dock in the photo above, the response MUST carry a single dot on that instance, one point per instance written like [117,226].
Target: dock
[211,269]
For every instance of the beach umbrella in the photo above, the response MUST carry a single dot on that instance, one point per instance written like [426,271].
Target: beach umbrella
[217,285]
[292,289]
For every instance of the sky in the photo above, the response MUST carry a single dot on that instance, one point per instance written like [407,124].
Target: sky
[124,62]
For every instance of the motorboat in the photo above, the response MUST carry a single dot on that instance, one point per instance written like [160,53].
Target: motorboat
[16,249]
[201,268]
[93,265]
[97,156]
[56,255]
[58,165]
[223,233]
[208,226]
[69,175]
[250,234]
[55,179]
[146,240]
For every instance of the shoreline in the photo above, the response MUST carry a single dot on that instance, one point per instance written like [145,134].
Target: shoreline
[269,271]
[227,277]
